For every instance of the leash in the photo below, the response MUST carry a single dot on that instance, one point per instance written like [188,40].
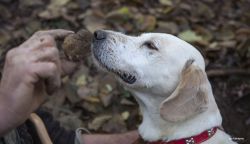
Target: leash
[40,129]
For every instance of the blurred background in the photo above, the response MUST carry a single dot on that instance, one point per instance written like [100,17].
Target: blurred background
[220,29]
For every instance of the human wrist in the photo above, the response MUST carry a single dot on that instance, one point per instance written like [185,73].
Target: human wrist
[7,121]
[4,126]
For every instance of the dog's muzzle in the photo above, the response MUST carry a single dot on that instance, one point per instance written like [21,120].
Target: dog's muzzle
[98,48]
[107,58]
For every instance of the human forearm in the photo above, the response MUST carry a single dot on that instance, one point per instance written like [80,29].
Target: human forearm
[5,123]
[126,138]
[10,116]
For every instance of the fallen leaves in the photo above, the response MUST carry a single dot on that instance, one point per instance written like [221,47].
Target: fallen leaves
[220,29]
[166,2]
[4,36]
[54,10]
[58,3]
[146,23]
[123,13]
[115,125]
[189,36]
[94,22]
[167,27]
[98,122]
[225,34]
[4,12]
[31,3]
[125,115]
[81,80]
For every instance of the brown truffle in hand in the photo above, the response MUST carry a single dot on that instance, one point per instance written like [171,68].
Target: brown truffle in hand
[77,46]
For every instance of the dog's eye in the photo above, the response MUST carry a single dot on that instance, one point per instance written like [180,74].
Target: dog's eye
[150,45]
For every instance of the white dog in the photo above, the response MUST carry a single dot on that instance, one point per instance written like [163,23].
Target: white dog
[167,77]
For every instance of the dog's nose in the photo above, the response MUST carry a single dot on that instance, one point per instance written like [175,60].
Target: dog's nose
[100,35]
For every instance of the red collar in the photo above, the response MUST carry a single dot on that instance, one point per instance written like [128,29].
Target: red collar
[191,140]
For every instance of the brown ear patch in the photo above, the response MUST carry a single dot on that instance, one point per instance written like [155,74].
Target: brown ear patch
[189,98]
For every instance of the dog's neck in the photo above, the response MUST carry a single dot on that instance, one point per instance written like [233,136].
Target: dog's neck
[154,128]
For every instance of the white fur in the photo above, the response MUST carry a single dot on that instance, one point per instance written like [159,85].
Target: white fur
[157,74]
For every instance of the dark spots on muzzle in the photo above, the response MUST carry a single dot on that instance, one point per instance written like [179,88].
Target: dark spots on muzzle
[128,78]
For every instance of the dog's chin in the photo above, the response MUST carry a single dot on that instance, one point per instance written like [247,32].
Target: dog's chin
[126,77]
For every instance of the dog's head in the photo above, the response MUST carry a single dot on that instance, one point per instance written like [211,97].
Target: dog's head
[160,64]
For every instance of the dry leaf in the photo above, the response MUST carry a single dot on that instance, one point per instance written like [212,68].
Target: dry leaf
[189,36]
[166,2]
[125,115]
[98,122]
[115,125]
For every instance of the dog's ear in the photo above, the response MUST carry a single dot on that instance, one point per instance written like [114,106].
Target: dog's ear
[189,98]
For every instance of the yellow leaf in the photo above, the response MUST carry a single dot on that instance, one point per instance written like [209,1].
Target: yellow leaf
[59,2]
[125,115]
[81,80]
[189,36]
[166,2]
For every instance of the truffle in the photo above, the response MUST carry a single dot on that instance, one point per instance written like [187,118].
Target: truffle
[77,46]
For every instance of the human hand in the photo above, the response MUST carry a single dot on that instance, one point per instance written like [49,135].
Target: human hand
[31,72]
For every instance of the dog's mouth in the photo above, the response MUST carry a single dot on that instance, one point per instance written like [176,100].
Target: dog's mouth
[102,54]
[126,77]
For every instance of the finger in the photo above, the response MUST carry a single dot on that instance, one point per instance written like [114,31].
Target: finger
[46,54]
[49,72]
[37,38]
[49,54]
[37,42]
[55,33]
[46,41]
[52,54]
[68,67]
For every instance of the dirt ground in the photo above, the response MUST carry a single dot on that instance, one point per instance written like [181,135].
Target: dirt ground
[220,29]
